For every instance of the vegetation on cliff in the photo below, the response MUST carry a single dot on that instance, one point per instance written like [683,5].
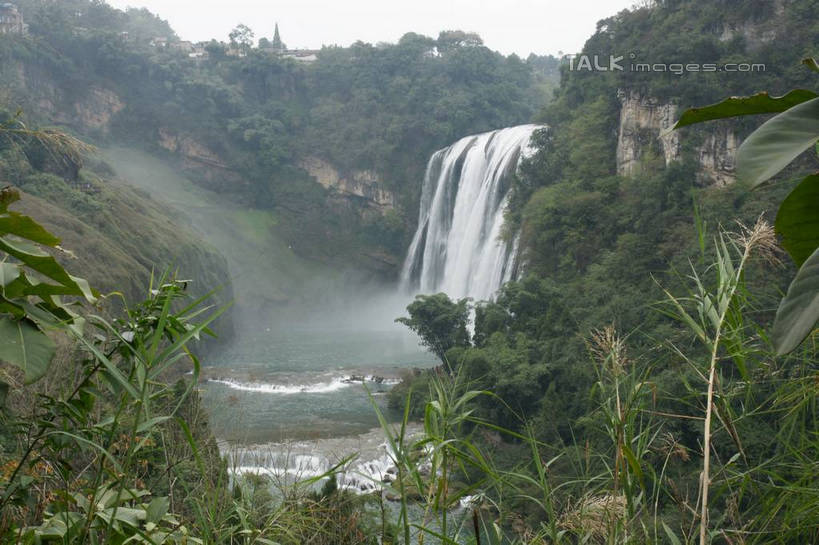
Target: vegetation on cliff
[255,119]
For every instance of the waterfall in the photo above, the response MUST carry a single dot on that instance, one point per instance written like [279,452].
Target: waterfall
[457,247]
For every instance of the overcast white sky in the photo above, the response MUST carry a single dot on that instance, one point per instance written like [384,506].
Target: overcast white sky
[519,26]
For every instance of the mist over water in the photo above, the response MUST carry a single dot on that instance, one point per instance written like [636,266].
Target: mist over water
[305,334]
[315,347]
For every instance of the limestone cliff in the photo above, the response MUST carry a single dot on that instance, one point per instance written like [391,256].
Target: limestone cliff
[362,186]
[716,156]
[198,160]
[644,126]
[755,33]
[88,109]
[642,121]
[97,107]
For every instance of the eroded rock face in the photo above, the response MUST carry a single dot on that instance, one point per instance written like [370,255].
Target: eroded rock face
[717,156]
[189,148]
[645,124]
[360,185]
[642,119]
[94,108]
[199,160]
[97,108]
[89,108]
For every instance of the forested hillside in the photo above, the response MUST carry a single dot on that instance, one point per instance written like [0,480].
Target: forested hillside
[118,236]
[616,212]
[337,147]
[627,386]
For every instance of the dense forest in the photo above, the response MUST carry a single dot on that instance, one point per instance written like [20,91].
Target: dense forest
[630,386]
[376,108]
[603,249]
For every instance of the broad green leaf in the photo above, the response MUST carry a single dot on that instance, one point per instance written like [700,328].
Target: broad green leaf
[54,528]
[13,308]
[9,272]
[760,103]
[127,515]
[25,346]
[799,310]
[157,509]
[798,220]
[777,142]
[24,227]
[45,264]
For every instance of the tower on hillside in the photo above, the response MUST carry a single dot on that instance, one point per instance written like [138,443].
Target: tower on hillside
[277,40]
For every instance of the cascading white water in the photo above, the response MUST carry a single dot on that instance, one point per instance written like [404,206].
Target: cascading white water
[457,247]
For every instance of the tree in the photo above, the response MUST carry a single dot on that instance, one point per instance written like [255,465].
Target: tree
[216,50]
[439,321]
[453,39]
[242,37]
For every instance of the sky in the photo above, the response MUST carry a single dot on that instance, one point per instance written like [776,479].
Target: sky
[508,26]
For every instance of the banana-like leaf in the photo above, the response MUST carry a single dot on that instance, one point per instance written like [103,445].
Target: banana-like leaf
[777,142]
[9,272]
[799,310]
[157,509]
[25,227]
[25,346]
[798,220]
[760,103]
[43,263]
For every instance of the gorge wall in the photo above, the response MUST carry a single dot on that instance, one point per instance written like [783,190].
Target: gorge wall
[361,186]
[644,128]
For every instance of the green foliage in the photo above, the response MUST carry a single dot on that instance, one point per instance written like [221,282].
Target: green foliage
[798,312]
[242,37]
[30,305]
[124,516]
[765,153]
[797,222]
[439,321]
[629,469]
[99,453]
[760,103]
[430,464]
[777,142]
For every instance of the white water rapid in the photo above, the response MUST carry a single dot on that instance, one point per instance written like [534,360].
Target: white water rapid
[457,248]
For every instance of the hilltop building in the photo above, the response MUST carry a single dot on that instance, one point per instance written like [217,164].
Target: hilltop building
[159,42]
[182,47]
[11,21]
[301,55]
[277,47]
[277,44]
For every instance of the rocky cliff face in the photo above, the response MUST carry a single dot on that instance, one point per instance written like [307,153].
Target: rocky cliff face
[97,107]
[362,186]
[716,156]
[198,160]
[643,121]
[87,109]
[644,127]
[755,33]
